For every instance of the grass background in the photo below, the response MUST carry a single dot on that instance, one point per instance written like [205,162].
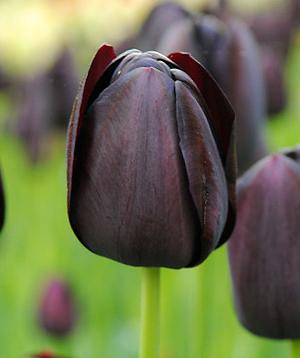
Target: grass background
[37,244]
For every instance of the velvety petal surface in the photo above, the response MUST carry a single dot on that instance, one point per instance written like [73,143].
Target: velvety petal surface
[129,199]
[221,120]
[102,59]
[264,250]
[206,178]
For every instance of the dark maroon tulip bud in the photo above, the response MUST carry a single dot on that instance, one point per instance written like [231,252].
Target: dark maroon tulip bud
[32,120]
[44,101]
[275,29]
[228,50]
[160,18]
[2,203]
[57,312]
[274,80]
[64,83]
[5,80]
[150,160]
[264,250]
[45,355]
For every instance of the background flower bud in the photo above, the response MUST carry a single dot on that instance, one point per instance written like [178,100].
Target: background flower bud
[264,250]
[228,50]
[160,18]
[276,92]
[57,311]
[151,168]
[45,355]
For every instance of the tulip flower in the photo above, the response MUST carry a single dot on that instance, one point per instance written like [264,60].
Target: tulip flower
[150,160]
[44,355]
[264,250]
[274,81]
[2,204]
[161,17]
[228,50]
[275,31]
[57,311]
[43,102]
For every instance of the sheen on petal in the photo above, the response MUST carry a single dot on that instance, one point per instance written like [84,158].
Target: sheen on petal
[129,198]
[207,181]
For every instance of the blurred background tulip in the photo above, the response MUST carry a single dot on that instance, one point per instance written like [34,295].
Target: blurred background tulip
[160,128]
[57,314]
[160,18]
[264,250]
[275,31]
[44,355]
[44,103]
[221,44]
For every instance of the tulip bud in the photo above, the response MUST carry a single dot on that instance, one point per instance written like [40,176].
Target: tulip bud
[274,81]
[57,312]
[274,29]
[44,355]
[160,18]
[2,204]
[150,160]
[227,49]
[32,120]
[44,104]
[264,250]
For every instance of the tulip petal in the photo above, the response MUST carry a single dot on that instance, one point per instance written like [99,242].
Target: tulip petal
[264,249]
[207,182]
[102,59]
[221,119]
[129,199]
[221,116]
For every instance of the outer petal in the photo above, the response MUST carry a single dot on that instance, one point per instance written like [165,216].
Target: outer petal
[247,95]
[102,59]
[129,200]
[207,182]
[221,114]
[221,119]
[264,250]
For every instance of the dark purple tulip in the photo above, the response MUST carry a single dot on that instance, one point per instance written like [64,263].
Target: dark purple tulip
[5,80]
[44,101]
[274,80]
[275,29]
[264,250]
[33,115]
[151,167]
[44,355]
[160,18]
[63,81]
[56,311]
[227,49]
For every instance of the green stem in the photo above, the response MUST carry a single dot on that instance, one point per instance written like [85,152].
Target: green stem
[149,339]
[196,334]
[295,349]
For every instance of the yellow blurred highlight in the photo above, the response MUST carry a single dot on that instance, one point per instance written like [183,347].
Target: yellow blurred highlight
[33,31]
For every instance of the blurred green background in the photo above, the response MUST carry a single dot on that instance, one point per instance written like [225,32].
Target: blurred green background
[37,242]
